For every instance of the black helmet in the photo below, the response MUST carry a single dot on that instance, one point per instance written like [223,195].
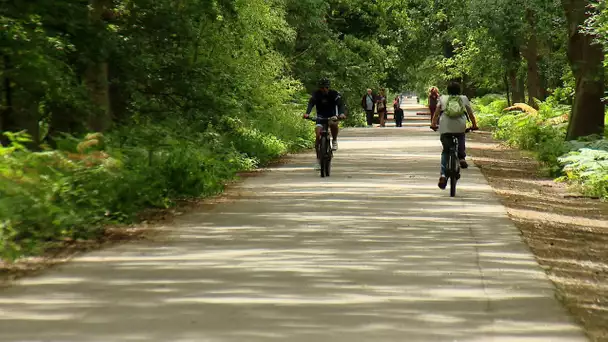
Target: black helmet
[324,82]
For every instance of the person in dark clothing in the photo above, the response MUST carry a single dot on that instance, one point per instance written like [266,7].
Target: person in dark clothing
[433,100]
[368,104]
[328,103]
[381,105]
[398,112]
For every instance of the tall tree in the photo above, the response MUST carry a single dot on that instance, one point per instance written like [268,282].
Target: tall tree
[531,55]
[586,60]
[96,73]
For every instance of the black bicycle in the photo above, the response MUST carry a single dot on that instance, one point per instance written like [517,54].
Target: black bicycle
[324,149]
[452,170]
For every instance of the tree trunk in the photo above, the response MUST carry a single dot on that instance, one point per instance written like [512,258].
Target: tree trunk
[119,97]
[27,119]
[586,60]
[544,86]
[6,111]
[531,55]
[521,87]
[516,82]
[64,119]
[18,111]
[516,87]
[506,79]
[448,49]
[96,76]
[468,88]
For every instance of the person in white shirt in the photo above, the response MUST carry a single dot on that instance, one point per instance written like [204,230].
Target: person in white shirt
[368,104]
[454,124]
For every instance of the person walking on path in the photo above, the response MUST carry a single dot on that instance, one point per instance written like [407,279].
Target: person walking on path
[433,99]
[398,111]
[368,105]
[451,116]
[381,105]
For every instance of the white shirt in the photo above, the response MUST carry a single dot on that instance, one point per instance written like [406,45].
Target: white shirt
[452,124]
[369,102]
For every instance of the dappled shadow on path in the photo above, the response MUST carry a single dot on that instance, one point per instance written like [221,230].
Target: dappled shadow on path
[374,253]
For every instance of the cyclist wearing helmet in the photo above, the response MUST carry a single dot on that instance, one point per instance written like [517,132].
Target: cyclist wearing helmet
[329,103]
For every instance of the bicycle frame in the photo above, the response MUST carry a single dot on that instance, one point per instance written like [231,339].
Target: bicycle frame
[453,163]
[453,167]
[326,155]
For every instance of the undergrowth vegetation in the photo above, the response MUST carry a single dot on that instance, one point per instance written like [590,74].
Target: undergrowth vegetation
[74,191]
[582,163]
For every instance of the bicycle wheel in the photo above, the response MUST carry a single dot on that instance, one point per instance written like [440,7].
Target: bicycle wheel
[324,146]
[328,163]
[453,175]
[453,186]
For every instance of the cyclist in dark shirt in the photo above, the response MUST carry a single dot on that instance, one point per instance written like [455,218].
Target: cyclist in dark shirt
[329,103]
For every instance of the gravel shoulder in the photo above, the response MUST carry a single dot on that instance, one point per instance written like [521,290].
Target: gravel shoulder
[567,233]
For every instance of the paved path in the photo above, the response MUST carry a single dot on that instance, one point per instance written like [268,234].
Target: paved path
[375,253]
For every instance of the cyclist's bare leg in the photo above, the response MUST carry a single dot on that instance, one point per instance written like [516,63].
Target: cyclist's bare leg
[333,127]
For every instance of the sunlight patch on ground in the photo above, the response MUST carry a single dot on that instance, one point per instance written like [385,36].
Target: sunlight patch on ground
[36,316]
[585,264]
[52,281]
[579,282]
[533,215]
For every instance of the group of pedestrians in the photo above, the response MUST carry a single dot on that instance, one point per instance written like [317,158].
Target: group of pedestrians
[377,103]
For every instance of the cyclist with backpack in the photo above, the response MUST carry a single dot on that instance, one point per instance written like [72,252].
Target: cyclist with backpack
[453,111]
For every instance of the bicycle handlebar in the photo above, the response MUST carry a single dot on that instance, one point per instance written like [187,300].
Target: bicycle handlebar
[468,130]
[322,120]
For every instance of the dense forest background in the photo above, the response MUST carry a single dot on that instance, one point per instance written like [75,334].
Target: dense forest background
[111,106]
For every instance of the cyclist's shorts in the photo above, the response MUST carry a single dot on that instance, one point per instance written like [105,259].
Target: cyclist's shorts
[320,125]
[325,117]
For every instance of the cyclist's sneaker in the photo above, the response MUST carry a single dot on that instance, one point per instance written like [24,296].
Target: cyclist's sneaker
[464,164]
[443,182]
[334,145]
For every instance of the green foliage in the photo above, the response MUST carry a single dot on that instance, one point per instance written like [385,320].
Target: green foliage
[488,110]
[483,43]
[41,196]
[543,132]
[261,147]
[597,25]
[582,163]
[51,195]
[195,90]
[587,169]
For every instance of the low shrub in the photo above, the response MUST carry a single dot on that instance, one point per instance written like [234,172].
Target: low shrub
[581,163]
[587,170]
[74,191]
